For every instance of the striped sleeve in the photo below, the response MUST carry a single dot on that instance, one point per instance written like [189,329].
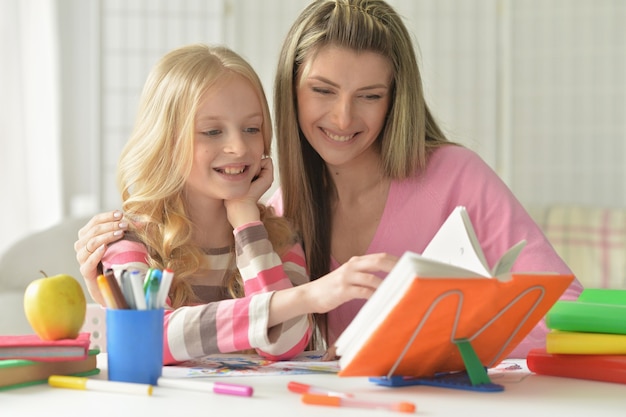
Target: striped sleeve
[125,254]
[263,271]
[232,325]
[240,324]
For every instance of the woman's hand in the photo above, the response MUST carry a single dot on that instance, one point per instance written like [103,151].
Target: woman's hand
[244,209]
[101,230]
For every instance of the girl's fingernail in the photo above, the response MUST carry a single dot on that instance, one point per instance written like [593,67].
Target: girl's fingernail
[117,214]
[123,225]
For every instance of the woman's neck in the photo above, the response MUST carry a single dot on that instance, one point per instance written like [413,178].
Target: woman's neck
[357,208]
[358,180]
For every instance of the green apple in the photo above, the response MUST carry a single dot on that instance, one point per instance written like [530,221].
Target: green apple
[55,307]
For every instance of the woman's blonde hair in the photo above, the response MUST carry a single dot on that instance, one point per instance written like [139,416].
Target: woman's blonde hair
[156,161]
[410,132]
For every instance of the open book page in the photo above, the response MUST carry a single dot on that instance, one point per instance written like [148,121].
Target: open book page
[456,243]
[504,265]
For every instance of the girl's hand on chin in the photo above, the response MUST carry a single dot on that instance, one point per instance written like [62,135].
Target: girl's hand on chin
[244,210]
[263,180]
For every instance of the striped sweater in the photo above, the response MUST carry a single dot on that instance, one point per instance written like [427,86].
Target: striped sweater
[220,324]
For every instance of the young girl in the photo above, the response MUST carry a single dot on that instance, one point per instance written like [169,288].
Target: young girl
[190,178]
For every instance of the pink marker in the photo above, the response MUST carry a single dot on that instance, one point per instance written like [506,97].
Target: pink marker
[206,386]
[300,388]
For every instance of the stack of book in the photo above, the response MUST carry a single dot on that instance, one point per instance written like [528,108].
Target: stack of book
[587,338]
[27,360]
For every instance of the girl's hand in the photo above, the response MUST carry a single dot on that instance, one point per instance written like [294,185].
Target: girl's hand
[101,230]
[263,180]
[244,209]
[354,279]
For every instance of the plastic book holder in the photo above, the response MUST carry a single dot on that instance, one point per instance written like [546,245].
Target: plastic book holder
[474,378]
[453,337]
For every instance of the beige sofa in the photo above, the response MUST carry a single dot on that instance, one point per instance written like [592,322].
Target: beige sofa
[590,239]
[50,250]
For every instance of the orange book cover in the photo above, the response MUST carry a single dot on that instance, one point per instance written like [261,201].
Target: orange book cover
[416,336]
[448,293]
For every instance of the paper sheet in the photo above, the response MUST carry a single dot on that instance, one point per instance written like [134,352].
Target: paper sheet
[249,365]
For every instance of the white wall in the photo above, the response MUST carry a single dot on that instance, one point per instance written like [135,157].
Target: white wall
[536,87]
[79,46]
[568,101]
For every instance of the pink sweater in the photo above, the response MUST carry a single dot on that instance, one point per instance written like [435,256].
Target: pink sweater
[219,323]
[418,206]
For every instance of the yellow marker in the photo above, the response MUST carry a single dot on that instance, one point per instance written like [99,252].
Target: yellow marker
[77,382]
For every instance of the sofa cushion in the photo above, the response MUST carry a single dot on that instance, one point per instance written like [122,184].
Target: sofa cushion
[591,240]
[50,250]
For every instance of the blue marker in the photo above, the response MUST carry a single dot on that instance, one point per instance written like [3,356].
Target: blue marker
[152,290]
[150,273]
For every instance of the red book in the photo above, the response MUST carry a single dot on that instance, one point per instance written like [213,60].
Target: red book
[32,347]
[608,368]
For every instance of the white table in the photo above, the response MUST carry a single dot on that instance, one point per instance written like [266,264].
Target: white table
[528,396]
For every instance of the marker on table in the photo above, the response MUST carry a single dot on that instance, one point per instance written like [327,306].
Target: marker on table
[316,399]
[82,383]
[300,388]
[205,386]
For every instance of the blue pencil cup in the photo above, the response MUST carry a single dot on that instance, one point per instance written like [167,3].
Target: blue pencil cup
[134,345]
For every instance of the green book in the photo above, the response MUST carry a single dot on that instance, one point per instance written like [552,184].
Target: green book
[17,373]
[595,311]
[603,296]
